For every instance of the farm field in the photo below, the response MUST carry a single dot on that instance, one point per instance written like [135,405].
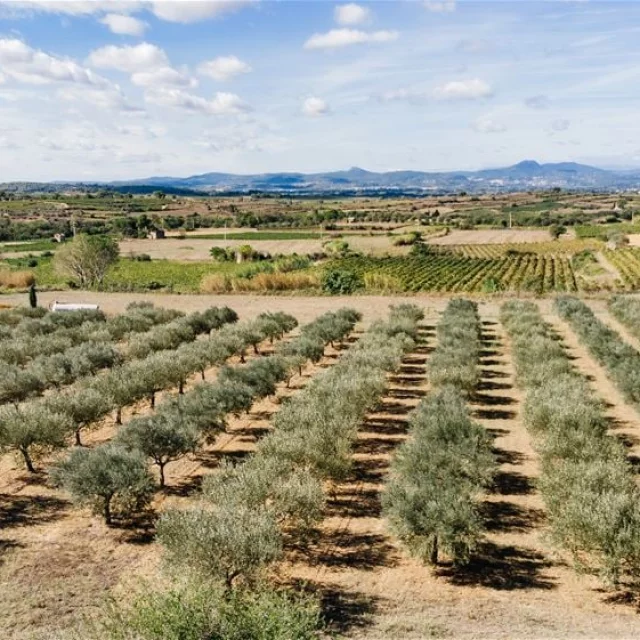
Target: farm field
[58,562]
[492,236]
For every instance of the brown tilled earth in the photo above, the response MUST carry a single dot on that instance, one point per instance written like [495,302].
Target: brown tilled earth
[57,562]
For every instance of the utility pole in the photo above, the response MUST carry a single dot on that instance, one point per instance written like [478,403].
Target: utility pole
[510,220]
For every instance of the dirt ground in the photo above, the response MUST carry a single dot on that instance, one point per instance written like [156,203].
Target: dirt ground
[493,236]
[197,249]
[57,562]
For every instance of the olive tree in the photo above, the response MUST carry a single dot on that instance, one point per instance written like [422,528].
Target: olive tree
[163,437]
[224,543]
[33,429]
[84,406]
[86,259]
[107,477]
[17,384]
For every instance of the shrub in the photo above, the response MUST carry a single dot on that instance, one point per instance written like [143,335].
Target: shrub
[196,610]
[16,279]
[341,282]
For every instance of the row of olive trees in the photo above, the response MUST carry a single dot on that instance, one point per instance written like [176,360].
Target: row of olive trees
[85,359]
[180,424]
[43,424]
[439,473]
[220,546]
[587,483]
[27,321]
[238,527]
[620,359]
[49,335]
[455,359]
[627,311]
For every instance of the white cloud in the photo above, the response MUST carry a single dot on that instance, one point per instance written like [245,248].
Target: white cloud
[75,7]
[221,104]
[315,107]
[463,90]
[560,125]
[337,38]
[485,124]
[25,64]
[182,11]
[350,14]
[141,57]
[3,78]
[124,25]
[187,11]
[108,98]
[223,67]
[440,6]
[537,102]
[163,77]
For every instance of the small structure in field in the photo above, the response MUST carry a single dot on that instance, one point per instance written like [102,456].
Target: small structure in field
[62,307]
[156,234]
[59,237]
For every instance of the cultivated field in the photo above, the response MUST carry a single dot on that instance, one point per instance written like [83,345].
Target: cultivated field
[492,236]
[58,561]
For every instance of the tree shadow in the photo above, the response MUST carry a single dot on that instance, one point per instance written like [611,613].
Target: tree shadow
[508,456]
[512,483]
[489,400]
[8,545]
[184,488]
[363,503]
[138,528]
[373,445]
[19,511]
[357,551]
[493,414]
[370,470]
[406,394]
[503,568]
[342,610]
[507,517]
[385,425]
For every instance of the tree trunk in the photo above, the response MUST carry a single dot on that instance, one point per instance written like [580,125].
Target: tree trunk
[119,415]
[107,510]
[256,350]
[181,388]
[161,466]
[242,358]
[27,459]
[152,398]
[202,375]
[78,441]
[434,552]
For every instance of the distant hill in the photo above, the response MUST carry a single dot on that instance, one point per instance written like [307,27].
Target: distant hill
[526,175]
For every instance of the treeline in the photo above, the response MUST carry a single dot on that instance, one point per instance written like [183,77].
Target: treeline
[438,475]
[588,486]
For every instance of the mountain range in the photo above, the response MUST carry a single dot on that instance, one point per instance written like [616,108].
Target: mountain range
[526,175]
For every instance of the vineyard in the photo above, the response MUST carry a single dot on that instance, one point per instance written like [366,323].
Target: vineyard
[458,274]
[564,248]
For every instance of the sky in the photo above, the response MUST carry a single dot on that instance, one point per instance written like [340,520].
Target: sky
[105,90]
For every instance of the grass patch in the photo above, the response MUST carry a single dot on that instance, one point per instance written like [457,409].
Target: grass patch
[36,245]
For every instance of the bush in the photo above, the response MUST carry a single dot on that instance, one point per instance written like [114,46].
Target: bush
[341,282]
[200,610]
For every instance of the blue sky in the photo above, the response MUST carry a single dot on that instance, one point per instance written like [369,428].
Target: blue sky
[110,89]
